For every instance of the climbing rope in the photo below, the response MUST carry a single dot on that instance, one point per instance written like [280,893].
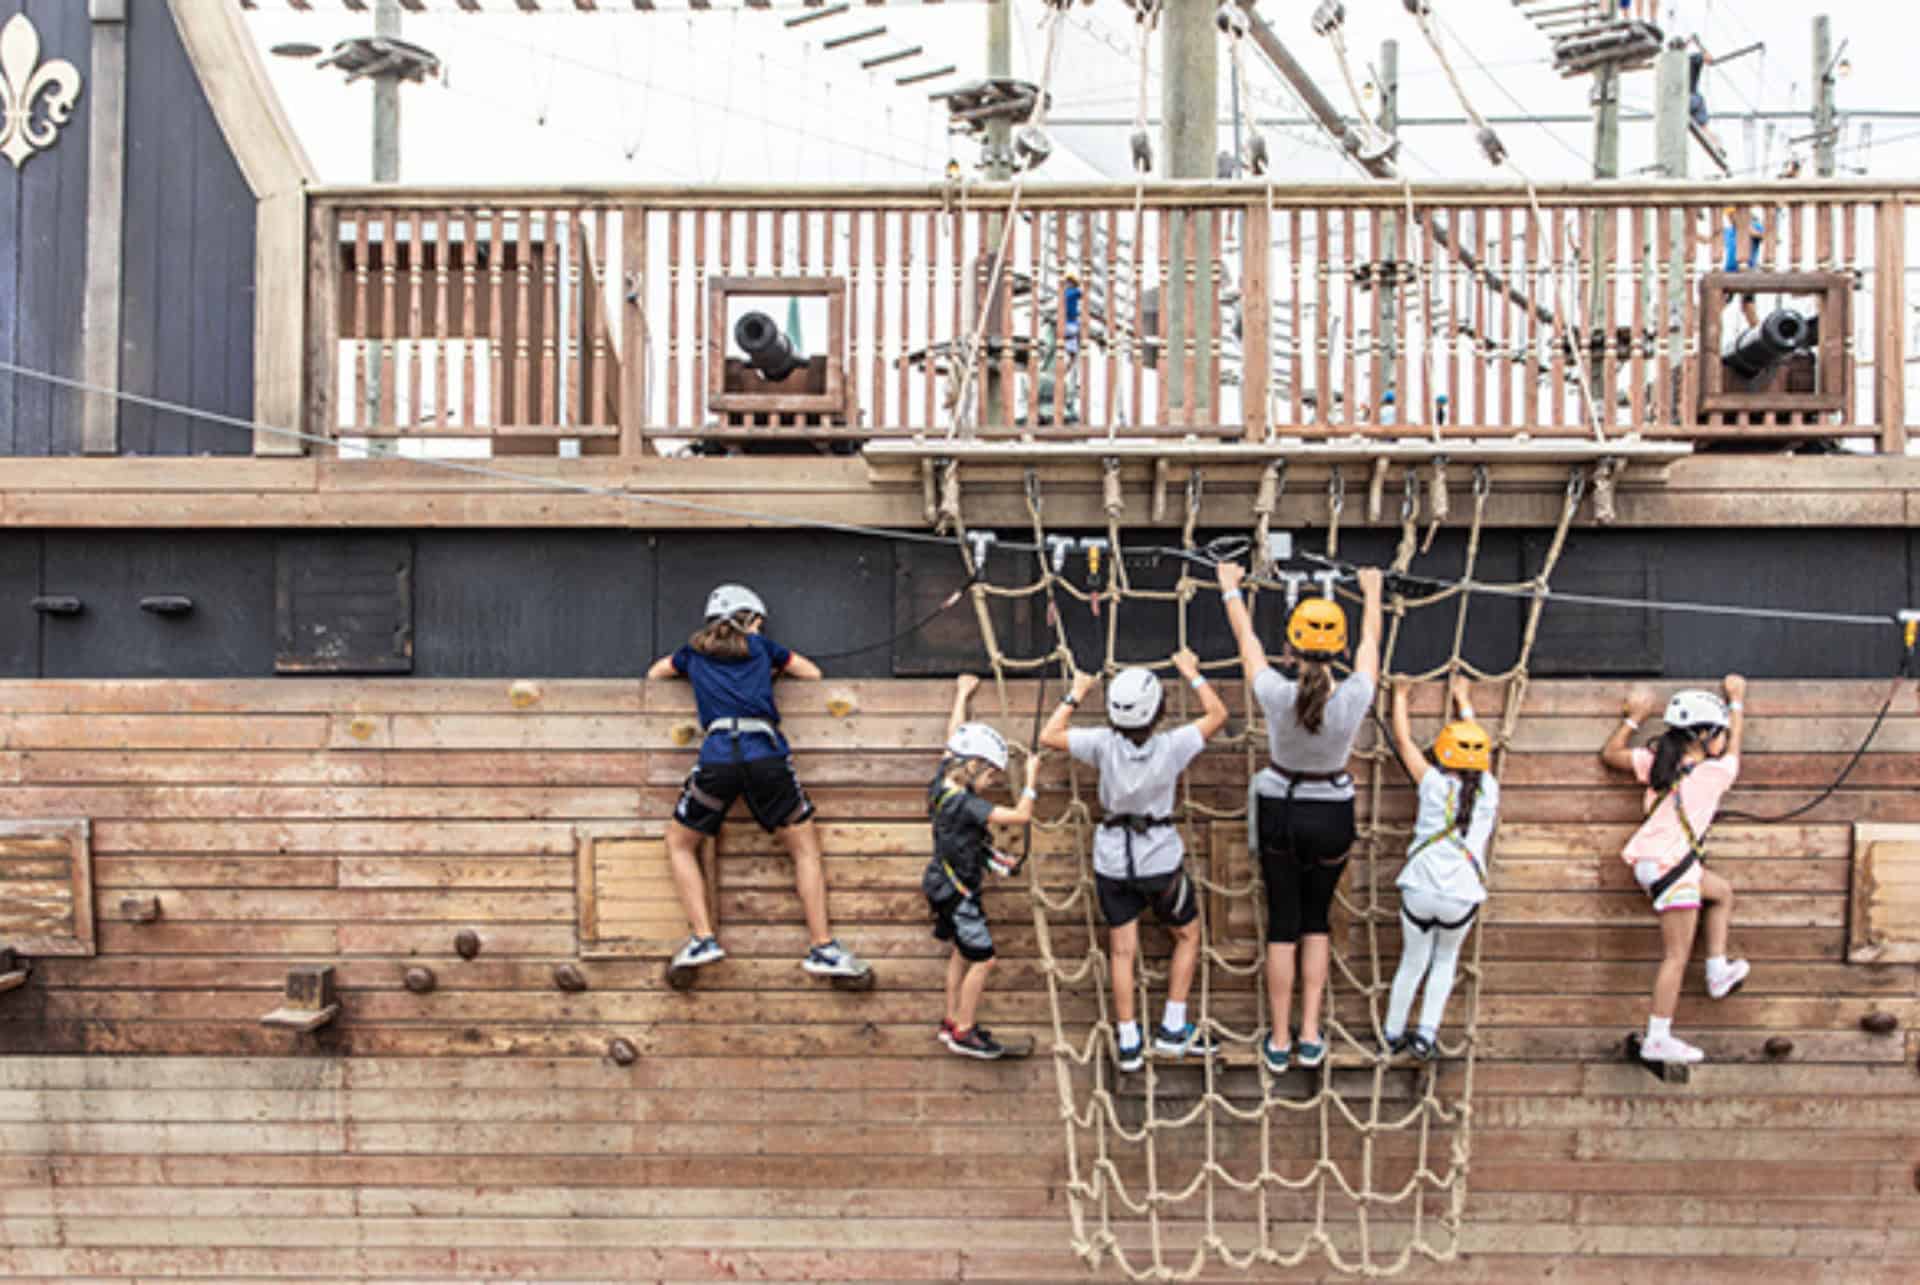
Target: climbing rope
[1168,1176]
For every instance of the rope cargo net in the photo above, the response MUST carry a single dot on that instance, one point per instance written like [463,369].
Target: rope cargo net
[1217,1158]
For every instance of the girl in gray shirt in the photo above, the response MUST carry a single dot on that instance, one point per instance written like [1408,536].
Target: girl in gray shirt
[1300,807]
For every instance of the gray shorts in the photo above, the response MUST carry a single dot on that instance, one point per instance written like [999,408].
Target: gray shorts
[963,921]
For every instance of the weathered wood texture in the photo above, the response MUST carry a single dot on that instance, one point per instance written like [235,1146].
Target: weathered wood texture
[777,1129]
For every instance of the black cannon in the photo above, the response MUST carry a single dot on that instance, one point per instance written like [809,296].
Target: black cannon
[768,349]
[1779,337]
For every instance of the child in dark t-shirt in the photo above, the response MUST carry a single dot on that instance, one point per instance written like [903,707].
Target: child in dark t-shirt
[976,757]
[731,666]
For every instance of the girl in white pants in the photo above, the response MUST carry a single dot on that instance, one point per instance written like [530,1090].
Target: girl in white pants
[1445,878]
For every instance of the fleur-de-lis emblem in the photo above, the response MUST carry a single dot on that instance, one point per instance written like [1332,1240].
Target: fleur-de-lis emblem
[23,80]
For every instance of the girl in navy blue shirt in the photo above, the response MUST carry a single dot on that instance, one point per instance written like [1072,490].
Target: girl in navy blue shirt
[732,668]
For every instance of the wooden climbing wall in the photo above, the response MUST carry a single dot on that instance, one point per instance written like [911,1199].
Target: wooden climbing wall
[775,1129]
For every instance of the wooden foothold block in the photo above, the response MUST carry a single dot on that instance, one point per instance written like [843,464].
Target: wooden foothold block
[841,702]
[523,694]
[622,1052]
[13,970]
[309,1002]
[466,943]
[1778,1047]
[1878,1023]
[568,977]
[683,733]
[419,979]
[140,910]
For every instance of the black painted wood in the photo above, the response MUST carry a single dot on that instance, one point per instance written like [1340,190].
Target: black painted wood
[19,624]
[42,246]
[187,302]
[343,604]
[561,604]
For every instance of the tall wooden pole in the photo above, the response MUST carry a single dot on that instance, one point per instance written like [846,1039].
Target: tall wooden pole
[1189,110]
[1824,135]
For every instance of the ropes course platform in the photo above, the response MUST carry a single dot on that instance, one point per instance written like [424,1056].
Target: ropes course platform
[1337,451]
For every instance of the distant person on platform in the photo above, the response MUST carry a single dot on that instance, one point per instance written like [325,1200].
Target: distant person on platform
[1733,238]
[1649,11]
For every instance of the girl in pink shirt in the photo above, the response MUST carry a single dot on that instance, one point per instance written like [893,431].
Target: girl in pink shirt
[1687,771]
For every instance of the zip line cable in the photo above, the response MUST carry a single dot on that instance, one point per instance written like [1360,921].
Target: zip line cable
[1227,548]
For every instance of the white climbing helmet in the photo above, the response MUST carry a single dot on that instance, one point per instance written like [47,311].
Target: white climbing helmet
[1696,708]
[1133,698]
[978,741]
[731,600]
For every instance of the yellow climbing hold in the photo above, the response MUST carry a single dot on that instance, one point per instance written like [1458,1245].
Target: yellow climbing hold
[523,694]
[362,727]
[684,732]
[841,702]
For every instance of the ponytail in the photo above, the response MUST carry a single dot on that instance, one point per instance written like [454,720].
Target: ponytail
[721,639]
[1668,753]
[1469,793]
[1316,686]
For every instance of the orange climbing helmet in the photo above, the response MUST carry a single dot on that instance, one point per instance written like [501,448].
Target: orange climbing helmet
[1318,627]
[1465,747]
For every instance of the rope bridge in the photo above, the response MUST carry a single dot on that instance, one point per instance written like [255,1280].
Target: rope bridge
[1238,1165]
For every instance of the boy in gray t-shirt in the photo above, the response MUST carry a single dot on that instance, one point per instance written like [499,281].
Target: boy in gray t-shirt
[1137,850]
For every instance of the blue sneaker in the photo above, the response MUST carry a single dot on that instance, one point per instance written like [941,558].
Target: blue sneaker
[698,951]
[1130,1057]
[1188,1041]
[1277,1060]
[833,960]
[1309,1054]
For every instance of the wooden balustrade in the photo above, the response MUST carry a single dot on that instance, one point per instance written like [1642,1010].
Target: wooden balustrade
[1226,310]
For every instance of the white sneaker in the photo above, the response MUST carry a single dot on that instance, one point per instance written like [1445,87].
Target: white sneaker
[1722,982]
[698,951]
[1665,1048]
[833,960]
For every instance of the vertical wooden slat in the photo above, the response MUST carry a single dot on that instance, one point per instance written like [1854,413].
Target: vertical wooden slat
[1426,282]
[442,278]
[1256,321]
[1890,347]
[1376,364]
[469,306]
[633,335]
[1110,323]
[1457,283]
[880,415]
[1637,378]
[906,317]
[672,416]
[1689,333]
[957,311]
[362,317]
[1003,310]
[1536,286]
[1351,331]
[1194,290]
[929,391]
[1164,225]
[1297,336]
[1607,275]
[1542,287]
[598,410]
[1217,227]
[556,225]
[416,245]
[1664,382]
[701,339]
[1407,399]
[1323,311]
[1079,363]
[1522,274]
[324,314]
[1137,305]
[854,275]
[803,239]
[779,218]
[1062,267]
[1849,263]
[388,416]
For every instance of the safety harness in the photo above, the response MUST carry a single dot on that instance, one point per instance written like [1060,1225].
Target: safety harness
[1696,843]
[946,796]
[1451,830]
[1130,824]
[1294,781]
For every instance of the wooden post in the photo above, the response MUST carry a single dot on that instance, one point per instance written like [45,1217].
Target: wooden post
[633,332]
[1890,347]
[106,202]
[1256,320]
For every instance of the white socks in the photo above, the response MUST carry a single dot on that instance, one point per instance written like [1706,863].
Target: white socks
[1659,1028]
[1175,1018]
[1129,1032]
[1716,964]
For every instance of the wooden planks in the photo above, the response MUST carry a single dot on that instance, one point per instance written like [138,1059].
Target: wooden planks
[46,887]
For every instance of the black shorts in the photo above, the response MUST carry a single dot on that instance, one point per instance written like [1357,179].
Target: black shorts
[1171,895]
[1303,853]
[773,794]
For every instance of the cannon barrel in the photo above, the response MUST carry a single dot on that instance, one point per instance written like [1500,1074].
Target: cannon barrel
[1758,351]
[768,349]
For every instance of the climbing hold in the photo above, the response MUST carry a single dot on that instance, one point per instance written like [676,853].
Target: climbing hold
[419,979]
[1879,1023]
[466,943]
[841,702]
[568,977]
[523,694]
[308,1001]
[140,910]
[622,1052]
[1778,1047]
[14,969]
[361,727]
[683,732]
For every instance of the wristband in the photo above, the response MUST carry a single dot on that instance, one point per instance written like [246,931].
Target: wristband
[1466,712]
[1197,681]
[1070,701]
[1229,595]
[1029,793]
[1735,705]
[1631,725]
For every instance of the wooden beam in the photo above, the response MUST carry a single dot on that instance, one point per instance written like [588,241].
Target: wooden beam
[106,219]
[278,171]
[1890,343]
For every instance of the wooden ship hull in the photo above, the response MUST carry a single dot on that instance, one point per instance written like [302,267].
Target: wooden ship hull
[396,731]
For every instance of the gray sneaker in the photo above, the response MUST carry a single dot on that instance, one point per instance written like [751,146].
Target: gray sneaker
[698,951]
[834,960]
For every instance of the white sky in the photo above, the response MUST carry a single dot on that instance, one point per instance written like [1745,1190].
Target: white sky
[734,95]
